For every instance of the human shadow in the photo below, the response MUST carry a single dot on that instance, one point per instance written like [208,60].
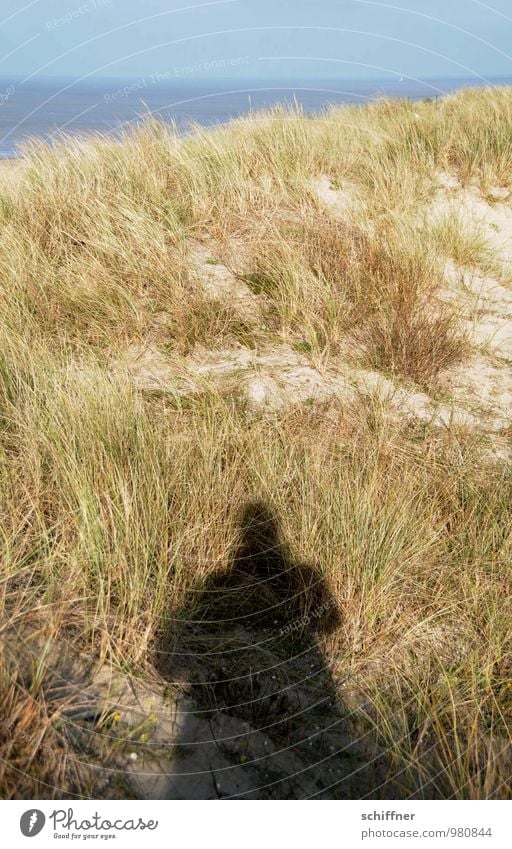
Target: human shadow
[260,718]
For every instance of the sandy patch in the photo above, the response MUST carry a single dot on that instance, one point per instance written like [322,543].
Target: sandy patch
[220,283]
[272,377]
[340,202]
[279,377]
[494,220]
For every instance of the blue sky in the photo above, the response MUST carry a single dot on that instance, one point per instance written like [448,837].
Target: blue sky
[262,39]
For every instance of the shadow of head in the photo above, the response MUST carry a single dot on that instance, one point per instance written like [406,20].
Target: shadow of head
[263,586]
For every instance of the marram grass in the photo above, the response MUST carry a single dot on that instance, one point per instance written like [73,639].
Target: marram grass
[115,503]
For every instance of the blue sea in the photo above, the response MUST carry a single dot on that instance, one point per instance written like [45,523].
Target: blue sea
[45,108]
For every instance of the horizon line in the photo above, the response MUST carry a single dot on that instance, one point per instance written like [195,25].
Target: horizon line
[168,77]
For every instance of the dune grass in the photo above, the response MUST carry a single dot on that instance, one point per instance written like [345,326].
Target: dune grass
[116,503]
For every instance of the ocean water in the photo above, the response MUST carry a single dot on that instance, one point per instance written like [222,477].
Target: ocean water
[46,108]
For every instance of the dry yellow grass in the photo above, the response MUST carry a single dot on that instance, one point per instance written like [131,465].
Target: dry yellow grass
[116,504]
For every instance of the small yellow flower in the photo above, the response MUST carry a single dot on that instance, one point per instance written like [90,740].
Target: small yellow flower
[144,738]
